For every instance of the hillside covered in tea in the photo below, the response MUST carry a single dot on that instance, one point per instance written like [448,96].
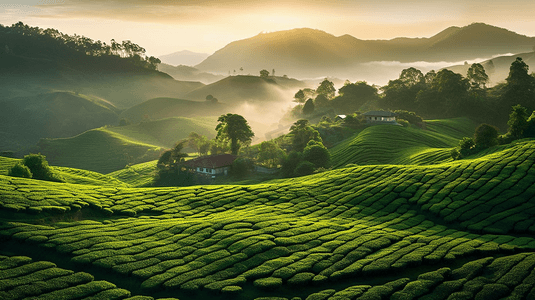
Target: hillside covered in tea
[462,228]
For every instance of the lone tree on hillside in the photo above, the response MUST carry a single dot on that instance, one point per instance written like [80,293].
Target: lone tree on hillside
[235,128]
[264,73]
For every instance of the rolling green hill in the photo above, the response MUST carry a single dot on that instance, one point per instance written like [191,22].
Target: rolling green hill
[70,175]
[387,144]
[25,120]
[241,88]
[137,175]
[109,149]
[100,150]
[36,60]
[368,232]
[166,132]
[161,108]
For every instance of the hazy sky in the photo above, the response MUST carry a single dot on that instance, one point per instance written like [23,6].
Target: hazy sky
[166,26]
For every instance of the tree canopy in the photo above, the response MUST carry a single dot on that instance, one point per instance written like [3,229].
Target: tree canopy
[302,133]
[234,127]
[23,40]
[326,88]
[477,76]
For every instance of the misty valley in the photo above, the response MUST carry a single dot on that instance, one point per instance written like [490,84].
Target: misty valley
[293,164]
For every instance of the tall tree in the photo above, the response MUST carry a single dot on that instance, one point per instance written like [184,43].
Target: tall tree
[234,127]
[299,96]
[264,73]
[326,88]
[270,154]
[308,108]
[518,122]
[477,76]
[411,77]
[520,87]
[353,95]
[302,133]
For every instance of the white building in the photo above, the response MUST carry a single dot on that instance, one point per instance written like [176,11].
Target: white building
[380,117]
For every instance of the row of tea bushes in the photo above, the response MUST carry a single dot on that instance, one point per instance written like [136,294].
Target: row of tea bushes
[22,278]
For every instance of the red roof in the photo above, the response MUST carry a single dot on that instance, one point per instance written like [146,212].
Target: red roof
[212,161]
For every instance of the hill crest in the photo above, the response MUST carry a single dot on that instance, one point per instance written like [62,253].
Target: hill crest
[306,52]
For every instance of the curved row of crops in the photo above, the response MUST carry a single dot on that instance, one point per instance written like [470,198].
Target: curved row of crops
[328,230]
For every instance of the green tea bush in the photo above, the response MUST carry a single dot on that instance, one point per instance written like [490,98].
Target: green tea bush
[268,283]
[20,170]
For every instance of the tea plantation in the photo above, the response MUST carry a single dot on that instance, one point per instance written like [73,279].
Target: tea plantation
[452,230]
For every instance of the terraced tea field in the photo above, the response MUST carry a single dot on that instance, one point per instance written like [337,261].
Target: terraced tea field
[387,144]
[455,230]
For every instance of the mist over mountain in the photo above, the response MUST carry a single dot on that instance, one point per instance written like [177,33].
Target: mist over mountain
[306,53]
[498,67]
[184,57]
[186,73]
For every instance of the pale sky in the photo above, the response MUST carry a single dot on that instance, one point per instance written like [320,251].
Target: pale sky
[166,26]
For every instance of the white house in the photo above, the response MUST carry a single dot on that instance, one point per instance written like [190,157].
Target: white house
[213,165]
[380,117]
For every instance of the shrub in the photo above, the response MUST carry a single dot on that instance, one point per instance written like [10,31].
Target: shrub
[39,168]
[268,283]
[20,170]
[403,122]
[317,154]
[242,166]
[486,136]
[290,163]
[304,168]
[409,116]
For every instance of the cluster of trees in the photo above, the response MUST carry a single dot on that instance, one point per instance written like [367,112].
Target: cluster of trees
[233,132]
[307,152]
[442,94]
[34,166]
[447,94]
[23,40]
[350,98]
[521,125]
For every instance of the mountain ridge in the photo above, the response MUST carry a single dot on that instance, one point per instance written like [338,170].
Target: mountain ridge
[306,52]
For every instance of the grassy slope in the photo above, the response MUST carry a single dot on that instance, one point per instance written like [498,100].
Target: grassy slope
[166,132]
[24,120]
[137,175]
[335,228]
[70,175]
[161,108]
[236,89]
[100,150]
[387,144]
[109,149]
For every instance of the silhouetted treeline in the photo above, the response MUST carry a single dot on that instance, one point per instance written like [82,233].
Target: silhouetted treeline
[34,42]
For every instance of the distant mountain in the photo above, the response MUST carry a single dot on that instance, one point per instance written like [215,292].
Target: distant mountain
[186,73]
[245,88]
[184,57]
[309,53]
[497,68]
